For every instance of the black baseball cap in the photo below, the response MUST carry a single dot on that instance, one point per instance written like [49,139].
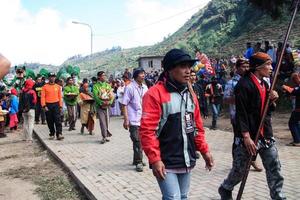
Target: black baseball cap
[175,57]
[52,74]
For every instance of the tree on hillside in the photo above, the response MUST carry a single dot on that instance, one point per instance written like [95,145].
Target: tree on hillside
[273,7]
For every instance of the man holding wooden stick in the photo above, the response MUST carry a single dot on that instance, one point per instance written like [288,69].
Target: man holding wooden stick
[251,95]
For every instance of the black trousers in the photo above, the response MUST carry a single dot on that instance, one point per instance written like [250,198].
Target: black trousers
[136,144]
[39,112]
[53,119]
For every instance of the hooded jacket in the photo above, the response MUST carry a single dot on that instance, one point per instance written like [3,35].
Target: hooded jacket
[28,97]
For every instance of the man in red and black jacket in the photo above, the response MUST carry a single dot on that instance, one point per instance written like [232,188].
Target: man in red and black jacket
[251,94]
[171,127]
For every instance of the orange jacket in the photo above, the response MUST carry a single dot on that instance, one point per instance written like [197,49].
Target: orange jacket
[51,93]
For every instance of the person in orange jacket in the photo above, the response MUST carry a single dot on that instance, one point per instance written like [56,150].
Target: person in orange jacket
[51,101]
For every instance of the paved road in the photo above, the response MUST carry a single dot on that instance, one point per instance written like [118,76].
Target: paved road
[105,170]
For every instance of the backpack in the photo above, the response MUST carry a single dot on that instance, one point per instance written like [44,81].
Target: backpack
[25,102]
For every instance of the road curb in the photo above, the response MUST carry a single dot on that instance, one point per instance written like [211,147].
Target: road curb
[81,186]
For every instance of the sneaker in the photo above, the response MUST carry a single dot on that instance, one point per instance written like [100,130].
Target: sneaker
[60,137]
[139,167]
[3,135]
[134,163]
[70,129]
[107,140]
[91,133]
[225,194]
[256,167]
[102,141]
[82,130]
[73,128]
[51,137]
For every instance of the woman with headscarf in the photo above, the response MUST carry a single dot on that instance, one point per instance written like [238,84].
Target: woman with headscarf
[88,111]
[28,100]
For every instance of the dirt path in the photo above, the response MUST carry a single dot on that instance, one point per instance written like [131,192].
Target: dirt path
[28,173]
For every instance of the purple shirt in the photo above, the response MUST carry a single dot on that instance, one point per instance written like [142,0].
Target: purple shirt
[132,99]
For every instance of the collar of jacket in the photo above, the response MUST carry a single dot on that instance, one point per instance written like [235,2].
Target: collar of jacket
[174,86]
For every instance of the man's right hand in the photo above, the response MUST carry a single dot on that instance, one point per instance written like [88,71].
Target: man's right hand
[158,169]
[126,124]
[287,88]
[209,161]
[249,144]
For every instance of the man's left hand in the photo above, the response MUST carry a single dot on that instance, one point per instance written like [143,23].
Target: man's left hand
[126,124]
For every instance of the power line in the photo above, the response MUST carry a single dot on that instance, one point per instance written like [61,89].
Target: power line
[147,25]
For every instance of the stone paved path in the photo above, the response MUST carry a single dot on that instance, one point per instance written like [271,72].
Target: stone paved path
[104,171]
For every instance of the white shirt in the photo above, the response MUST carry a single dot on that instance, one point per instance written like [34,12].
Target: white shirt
[120,93]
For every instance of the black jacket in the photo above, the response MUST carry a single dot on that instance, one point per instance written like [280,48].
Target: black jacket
[248,109]
[200,92]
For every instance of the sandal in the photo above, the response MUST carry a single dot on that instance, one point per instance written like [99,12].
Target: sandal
[296,144]
[292,144]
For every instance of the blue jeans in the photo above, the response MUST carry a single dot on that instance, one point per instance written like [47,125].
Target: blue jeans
[294,126]
[215,113]
[175,186]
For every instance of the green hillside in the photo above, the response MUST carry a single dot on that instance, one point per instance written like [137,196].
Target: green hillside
[220,29]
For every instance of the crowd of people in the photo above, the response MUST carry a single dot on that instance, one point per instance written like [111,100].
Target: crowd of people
[163,112]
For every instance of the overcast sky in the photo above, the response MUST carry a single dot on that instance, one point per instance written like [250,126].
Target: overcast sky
[42,30]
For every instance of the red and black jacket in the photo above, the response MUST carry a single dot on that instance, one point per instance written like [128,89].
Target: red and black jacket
[162,129]
[249,109]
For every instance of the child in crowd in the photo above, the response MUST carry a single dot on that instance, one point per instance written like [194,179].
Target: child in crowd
[2,117]
[5,106]
[13,110]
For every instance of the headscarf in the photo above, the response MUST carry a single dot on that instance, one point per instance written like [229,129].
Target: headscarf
[259,60]
[13,91]
[29,84]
